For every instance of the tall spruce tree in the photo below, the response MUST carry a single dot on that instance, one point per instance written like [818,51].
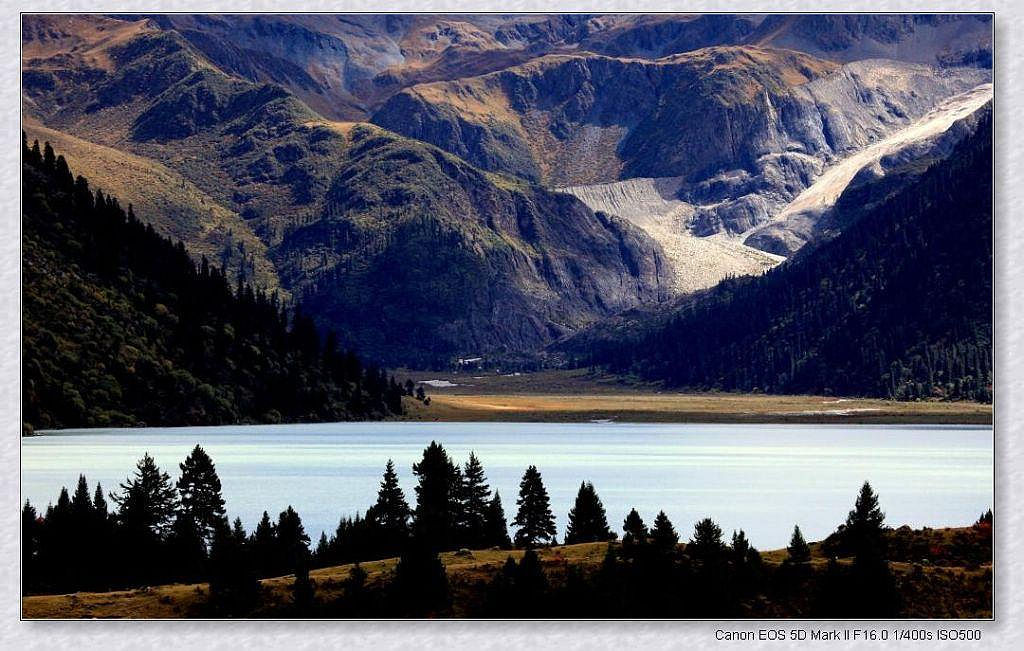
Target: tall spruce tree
[292,541]
[437,499]
[635,530]
[200,491]
[476,495]
[495,525]
[146,508]
[864,532]
[799,551]
[535,521]
[588,521]
[390,514]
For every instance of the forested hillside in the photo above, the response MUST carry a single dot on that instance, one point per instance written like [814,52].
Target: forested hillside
[122,327]
[898,305]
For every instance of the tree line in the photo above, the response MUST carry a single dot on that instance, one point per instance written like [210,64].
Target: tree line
[161,531]
[122,327]
[898,305]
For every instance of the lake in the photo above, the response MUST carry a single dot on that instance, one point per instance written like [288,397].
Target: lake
[761,478]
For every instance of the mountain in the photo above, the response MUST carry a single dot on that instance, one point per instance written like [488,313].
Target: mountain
[502,180]
[120,327]
[419,251]
[896,305]
[472,262]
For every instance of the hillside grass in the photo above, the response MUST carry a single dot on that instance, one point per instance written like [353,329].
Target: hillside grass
[160,195]
[933,590]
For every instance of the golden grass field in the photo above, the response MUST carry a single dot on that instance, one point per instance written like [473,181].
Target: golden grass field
[579,396]
[932,583]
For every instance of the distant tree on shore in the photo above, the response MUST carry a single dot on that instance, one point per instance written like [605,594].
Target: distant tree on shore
[535,521]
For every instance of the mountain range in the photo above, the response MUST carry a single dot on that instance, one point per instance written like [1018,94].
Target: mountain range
[434,187]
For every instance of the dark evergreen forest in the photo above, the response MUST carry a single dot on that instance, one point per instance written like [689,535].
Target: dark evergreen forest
[122,327]
[898,305]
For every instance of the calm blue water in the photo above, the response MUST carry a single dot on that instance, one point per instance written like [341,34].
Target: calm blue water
[761,478]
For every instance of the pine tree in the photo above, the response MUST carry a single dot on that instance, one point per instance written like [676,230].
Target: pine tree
[437,498]
[476,495]
[534,519]
[799,551]
[49,159]
[587,519]
[200,490]
[496,526]
[292,540]
[147,501]
[706,544]
[263,543]
[864,529]
[739,548]
[636,530]
[391,513]
[663,534]
[30,531]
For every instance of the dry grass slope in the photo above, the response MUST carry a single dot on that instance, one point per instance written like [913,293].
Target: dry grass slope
[161,196]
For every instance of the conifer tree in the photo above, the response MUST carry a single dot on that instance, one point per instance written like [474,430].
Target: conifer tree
[49,159]
[799,551]
[147,501]
[706,544]
[534,519]
[200,491]
[390,514]
[476,495]
[587,519]
[437,498]
[864,533]
[739,548]
[496,526]
[663,534]
[263,543]
[635,529]
[81,505]
[292,540]
[29,546]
